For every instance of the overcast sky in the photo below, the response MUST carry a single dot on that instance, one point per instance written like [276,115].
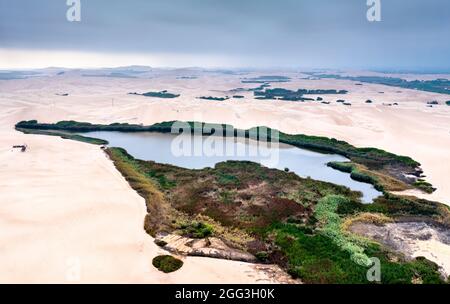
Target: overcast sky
[263,33]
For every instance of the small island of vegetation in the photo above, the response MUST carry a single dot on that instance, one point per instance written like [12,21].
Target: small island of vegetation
[167,263]
[436,86]
[267,79]
[289,95]
[161,94]
[214,98]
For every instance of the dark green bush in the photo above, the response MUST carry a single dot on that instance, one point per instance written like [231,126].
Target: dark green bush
[197,230]
[167,263]
[162,94]
[160,243]
[361,177]
[263,256]
[424,186]
[343,167]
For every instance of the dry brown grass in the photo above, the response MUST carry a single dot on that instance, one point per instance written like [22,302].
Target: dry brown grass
[159,212]
[370,218]
[445,215]
[387,182]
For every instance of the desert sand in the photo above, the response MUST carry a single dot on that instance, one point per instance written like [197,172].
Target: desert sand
[66,214]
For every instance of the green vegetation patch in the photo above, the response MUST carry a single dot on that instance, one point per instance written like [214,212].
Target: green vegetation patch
[289,95]
[197,230]
[161,179]
[316,259]
[225,179]
[325,213]
[365,178]
[167,263]
[398,206]
[267,79]
[331,255]
[424,186]
[346,167]
[437,86]
[380,180]
[214,98]
[65,135]
[162,94]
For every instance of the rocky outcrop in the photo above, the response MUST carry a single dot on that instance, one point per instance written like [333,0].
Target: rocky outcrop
[208,247]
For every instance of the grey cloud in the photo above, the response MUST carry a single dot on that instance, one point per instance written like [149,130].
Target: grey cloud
[413,33]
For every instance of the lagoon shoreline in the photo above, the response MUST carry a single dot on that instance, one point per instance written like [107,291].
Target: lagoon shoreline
[150,180]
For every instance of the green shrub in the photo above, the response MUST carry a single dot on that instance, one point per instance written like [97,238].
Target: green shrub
[167,263]
[162,94]
[364,178]
[197,230]
[356,175]
[315,258]
[348,206]
[424,186]
[160,243]
[214,98]
[394,205]
[162,180]
[225,179]
[346,167]
[263,256]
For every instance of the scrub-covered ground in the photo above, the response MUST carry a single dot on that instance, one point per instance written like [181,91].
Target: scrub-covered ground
[299,224]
